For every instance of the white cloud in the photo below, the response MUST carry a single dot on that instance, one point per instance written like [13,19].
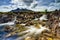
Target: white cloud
[5,8]
[34,5]
[24,3]
[39,8]
[54,6]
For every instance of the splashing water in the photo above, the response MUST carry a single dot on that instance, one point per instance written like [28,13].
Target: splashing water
[44,17]
[33,30]
[9,23]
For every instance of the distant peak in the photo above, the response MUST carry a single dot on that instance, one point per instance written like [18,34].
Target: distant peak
[20,10]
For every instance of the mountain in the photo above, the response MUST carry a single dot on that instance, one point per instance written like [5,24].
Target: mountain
[20,10]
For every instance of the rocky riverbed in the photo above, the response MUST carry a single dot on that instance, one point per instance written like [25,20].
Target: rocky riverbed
[31,26]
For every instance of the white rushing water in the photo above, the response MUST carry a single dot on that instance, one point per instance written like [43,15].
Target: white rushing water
[23,24]
[59,24]
[32,30]
[9,23]
[43,17]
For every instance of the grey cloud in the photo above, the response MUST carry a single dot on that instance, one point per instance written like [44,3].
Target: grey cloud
[28,2]
[57,1]
[34,5]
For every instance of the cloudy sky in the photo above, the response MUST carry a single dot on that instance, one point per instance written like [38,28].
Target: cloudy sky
[35,5]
